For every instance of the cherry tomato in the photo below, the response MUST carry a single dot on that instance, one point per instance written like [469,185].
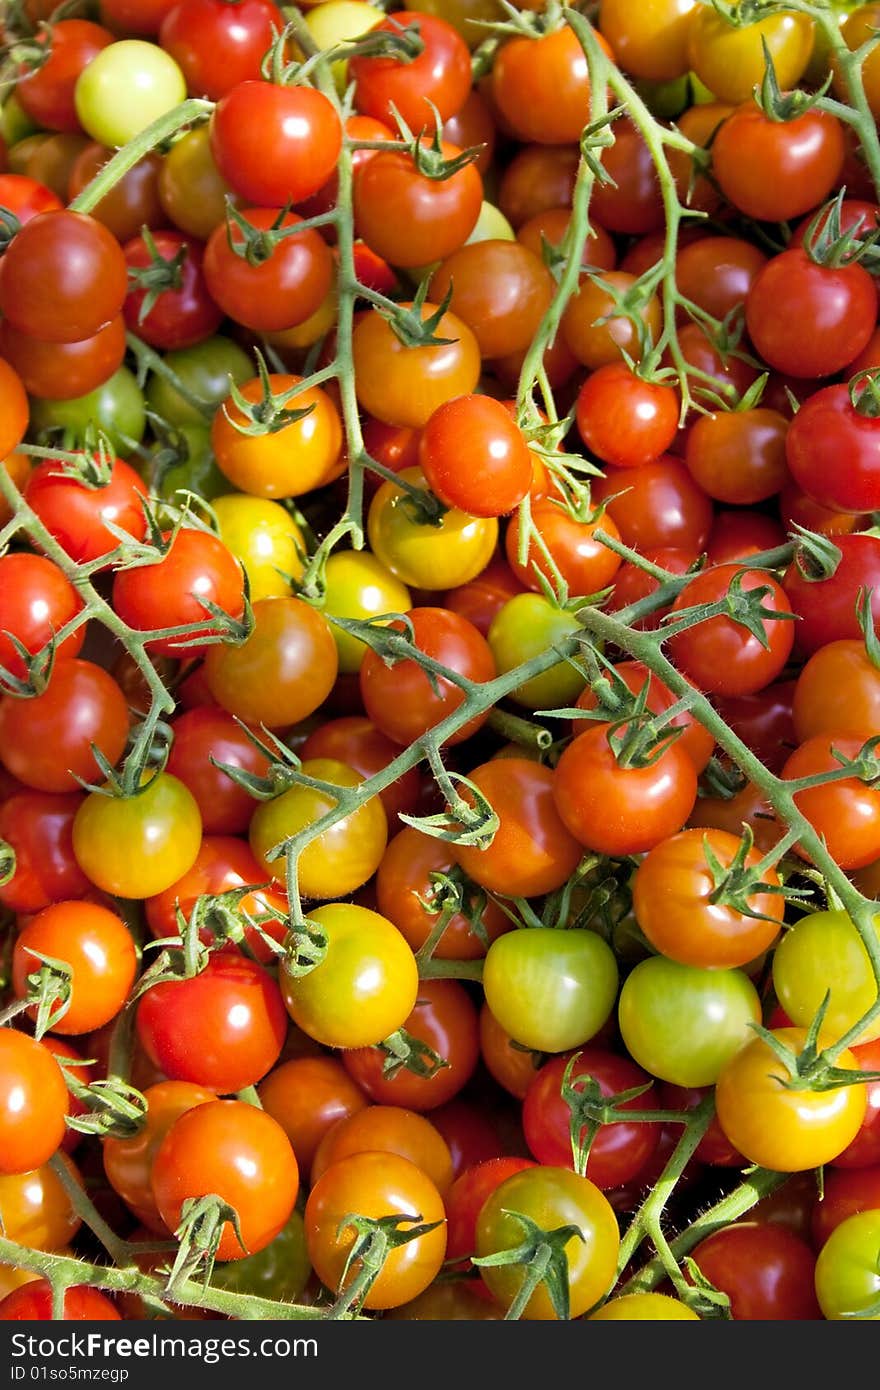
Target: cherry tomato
[846,1269]
[309,1097]
[722,655]
[829,315]
[76,511]
[825,604]
[425,555]
[402,385]
[33,1303]
[436,70]
[35,1208]
[824,953]
[765,1270]
[550,989]
[45,92]
[64,277]
[98,948]
[410,218]
[48,740]
[847,813]
[36,601]
[15,408]
[353,740]
[656,506]
[729,58]
[474,457]
[387,1129]
[541,86]
[128,1162]
[33,1103]
[217,48]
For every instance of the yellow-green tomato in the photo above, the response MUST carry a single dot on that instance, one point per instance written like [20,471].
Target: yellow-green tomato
[137,846]
[358,586]
[422,555]
[683,1024]
[729,57]
[364,988]
[491,225]
[824,953]
[339,859]
[644,1307]
[337,21]
[848,1270]
[265,538]
[126,87]
[527,625]
[550,989]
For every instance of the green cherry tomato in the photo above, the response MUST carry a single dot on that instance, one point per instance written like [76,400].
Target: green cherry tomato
[205,370]
[527,625]
[848,1269]
[820,953]
[683,1024]
[359,586]
[280,1270]
[550,990]
[126,87]
[116,407]
[365,986]
[137,846]
[197,472]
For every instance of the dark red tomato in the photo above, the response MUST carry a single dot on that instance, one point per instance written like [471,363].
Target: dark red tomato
[45,91]
[826,607]
[864,1151]
[223,864]
[473,127]
[763,721]
[281,290]
[537,178]
[810,320]
[632,584]
[796,508]
[738,456]
[846,813]
[217,45]
[714,1148]
[38,828]
[357,742]
[370,270]
[475,457]
[631,201]
[300,126]
[204,738]
[847,1192]
[183,313]
[736,535]
[64,371]
[76,512]
[466,1198]
[394,446]
[624,420]
[402,701]
[776,170]
[470,1131]
[483,597]
[499,288]
[620,1149]
[712,373]
[660,506]
[833,451]
[409,218]
[25,197]
[223,1028]
[584,563]
[36,601]
[696,740]
[439,73]
[721,655]
[134,17]
[619,810]
[197,567]
[32,1302]
[64,277]
[47,740]
[717,272]
[445,1019]
[132,203]
[766,1271]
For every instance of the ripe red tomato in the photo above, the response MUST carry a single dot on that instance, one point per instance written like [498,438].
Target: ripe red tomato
[32,1302]
[656,506]
[214,46]
[439,72]
[775,170]
[845,813]
[409,218]
[720,654]
[766,1271]
[810,320]
[474,456]
[45,90]
[204,738]
[541,86]
[64,277]
[76,512]
[825,605]
[298,123]
[47,740]
[38,826]
[128,1162]
[275,291]
[183,313]
[36,601]
[624,420]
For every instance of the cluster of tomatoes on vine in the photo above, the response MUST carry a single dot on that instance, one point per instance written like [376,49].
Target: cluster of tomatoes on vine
[295,314]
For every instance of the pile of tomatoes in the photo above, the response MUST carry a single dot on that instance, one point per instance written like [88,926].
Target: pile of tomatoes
[439,690]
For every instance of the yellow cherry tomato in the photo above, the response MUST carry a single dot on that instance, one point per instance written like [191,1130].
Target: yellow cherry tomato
[359,586]
[265,538]
[422,555]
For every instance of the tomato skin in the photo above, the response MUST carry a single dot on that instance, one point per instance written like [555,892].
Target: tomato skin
[217,48]
[223,1028]
[619,1150]
[829,315]
[238,1152]
[410,219]
[26,197]
[440,73]
[864,1150]
[276,293]
[304,130]
[828,427]
[36,600]
[837,691]
[283,671]
[467,1196]
[511,1066]
[35,1208]
[846,1269]
[585,564]
[135,846]
[33,1303]
[532,852]
[824,953]
[623,420]
[46,740]
[541,87]
[720,655]
[826,607]
[644,1307]
[132,203]
[309,1096]
[128,1162]
[469,1132]
[632,201]
[730,60]
[846,1193]
[387,1129]
[766,1271]
[46,92]
[288,462]
[181,315]
[682,1024]
[423,556]
[404,386]
[357,742]
[77,514]
[376,1185]
[98,947]
[204,737]
[64,277]
[474,457]
[38,826]
[365,986]
[33,1103]
[672,892]
[64,371]
[788,1130]
[773,170]
[525,626]
[551,1197]
[846,813]
[569,979]
[656,46]
[738,457]
[661,506]
[621,810]
[595,333]
[445,1019]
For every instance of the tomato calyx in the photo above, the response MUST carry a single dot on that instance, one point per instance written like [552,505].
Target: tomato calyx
[827,243]
[404,1052]
[452,895]
[813,1068]
[49,992]
[785,106]
[430,161]
[161,274]
[256,245]
[529,24]
[708,1302]
[641,741]
[374,1240]
[305,948]
[816,556]
[114,1109]
[10,225]
[734,885]
[744,606]
[589,1110]
[199,1233]
[8,863]
[541,1254]
[406,321]
[280,775]
[864,393]
[270,413]
[38,665]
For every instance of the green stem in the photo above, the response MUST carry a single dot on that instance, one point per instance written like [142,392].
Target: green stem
[189,112]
